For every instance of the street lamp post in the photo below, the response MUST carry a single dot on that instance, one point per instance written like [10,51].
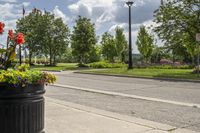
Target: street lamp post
[130,64]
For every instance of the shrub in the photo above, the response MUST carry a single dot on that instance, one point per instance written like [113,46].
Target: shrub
[103,64]
[166,62]
[82,65]
[196,69]
[23,67]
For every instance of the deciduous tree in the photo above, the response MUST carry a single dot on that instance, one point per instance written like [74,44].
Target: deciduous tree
[121,44]
[145,43]
[83,39]
[178,22]
[108,47]
[45,34]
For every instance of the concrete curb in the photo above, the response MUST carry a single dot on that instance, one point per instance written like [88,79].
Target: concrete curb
[157,127]
[129,76]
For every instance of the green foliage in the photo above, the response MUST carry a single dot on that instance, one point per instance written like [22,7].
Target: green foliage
[31,26]
[67,57]
[178,23]
[57,38]
[121,44]
[158,53]
[81,65]
[196,70]
[44,34]
[103,64]
[58,67]
[83,39]
[23,78]
[108,47]
[95,54]
[23,67]
[114,47]
[145,43]
[7,56]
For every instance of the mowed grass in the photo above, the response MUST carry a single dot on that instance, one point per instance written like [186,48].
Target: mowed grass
[58,67]
[147,72]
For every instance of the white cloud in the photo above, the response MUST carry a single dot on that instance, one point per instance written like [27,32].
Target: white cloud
[10,12]
[90,4]
[10,24]
[103,12]
[99,11]
[59,14]
[26,4]
[6,11]
[95,9]
[9,1]
[112,28]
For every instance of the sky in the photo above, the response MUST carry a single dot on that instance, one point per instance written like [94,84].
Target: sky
[105,14]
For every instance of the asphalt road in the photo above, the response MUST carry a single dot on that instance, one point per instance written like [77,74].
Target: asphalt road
[175,115]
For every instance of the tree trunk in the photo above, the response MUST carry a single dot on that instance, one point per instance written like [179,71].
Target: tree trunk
[50,54]
[30,58]
[54,60]
[146,60]
[193,61]
[173,58]
[122,57]
[112,60]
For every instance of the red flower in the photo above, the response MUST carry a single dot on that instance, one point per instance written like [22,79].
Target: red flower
[2,25]
[10,34]
[20,38]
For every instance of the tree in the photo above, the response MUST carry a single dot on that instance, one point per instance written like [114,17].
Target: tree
[95,54]
[44,35]
[30,26]
[178,22]
[145,43]
[121,44]
[56,39]
[158,54]
[83,39]
[108,47]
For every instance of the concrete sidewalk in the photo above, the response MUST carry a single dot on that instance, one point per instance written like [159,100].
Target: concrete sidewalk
[64,117]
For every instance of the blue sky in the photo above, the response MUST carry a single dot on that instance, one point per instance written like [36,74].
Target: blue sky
[106,14]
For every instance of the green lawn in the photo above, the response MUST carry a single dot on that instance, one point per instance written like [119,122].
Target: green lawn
[152,73]
[59,67]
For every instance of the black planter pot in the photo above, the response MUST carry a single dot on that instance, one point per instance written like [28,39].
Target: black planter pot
[21,109]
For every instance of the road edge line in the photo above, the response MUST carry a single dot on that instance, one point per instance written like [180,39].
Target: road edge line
[129,96]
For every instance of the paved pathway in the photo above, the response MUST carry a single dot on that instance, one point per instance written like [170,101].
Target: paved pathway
[65,117]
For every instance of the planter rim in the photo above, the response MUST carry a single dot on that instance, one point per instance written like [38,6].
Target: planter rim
[31,90]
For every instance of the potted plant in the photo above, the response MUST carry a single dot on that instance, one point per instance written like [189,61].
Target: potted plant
[21,91]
